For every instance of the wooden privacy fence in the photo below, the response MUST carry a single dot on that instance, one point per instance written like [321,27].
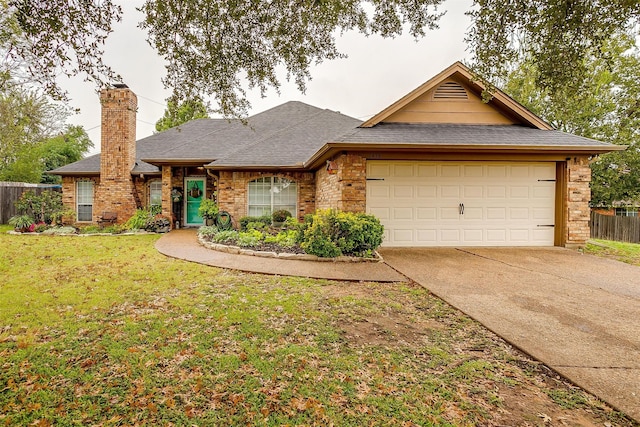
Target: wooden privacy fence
[618,228]
[11,191]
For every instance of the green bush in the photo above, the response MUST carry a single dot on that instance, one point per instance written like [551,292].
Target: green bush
[331,233]
[250,238]
[208,231]
[226,236]
[280,215]
[245,220]
[60,230]
[286,238]
[90,229]
[47,207]
[21,222]
[139,220]
[256,225]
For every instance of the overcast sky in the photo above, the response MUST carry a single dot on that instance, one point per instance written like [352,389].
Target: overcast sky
[376,73]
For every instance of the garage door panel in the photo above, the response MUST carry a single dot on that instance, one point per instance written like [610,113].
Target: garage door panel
[519,192]
[427,191]
[496,192]
[402,191]
[450,235]
[379,170]
[450,213]
[496,236]
[450,191]
[427,171]
[426,214]
[473,191]
[472,214]
[496,214]
[403,170]
[403,213]
[428,236]
[504,203]
[403,236]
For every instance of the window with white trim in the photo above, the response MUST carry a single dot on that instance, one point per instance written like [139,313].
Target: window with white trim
[155,193]
[84,201]
[272,193]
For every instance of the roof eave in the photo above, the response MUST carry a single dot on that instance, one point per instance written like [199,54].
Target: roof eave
[297,167]
[330,149]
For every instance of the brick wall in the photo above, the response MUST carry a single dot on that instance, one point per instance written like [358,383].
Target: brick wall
[577,202]
[232,191]
[115,191]
[346,189]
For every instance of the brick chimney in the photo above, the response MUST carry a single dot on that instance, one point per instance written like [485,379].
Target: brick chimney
[114,193]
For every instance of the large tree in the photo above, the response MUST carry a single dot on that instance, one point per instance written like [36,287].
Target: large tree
[178,113]
[33,137]
[213,46]
[604,105]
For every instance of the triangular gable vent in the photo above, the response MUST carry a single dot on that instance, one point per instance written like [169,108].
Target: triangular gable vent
[450,90]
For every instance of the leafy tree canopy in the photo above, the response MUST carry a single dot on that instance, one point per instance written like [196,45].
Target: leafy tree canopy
[605,105]
[33,138]
[212,47]
[178,113]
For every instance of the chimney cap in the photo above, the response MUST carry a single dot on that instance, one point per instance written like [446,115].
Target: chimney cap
[120,86]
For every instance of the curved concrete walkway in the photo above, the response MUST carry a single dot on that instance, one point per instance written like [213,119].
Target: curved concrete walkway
[183,244]
[578,314]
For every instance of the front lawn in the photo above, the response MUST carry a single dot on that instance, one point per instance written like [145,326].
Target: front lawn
[621,251]
[103,330]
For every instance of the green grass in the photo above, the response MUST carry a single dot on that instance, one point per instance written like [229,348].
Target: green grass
[103,330]
[625,252]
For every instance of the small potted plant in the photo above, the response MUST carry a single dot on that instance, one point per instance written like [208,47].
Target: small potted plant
[279,217]
[176,195]
[208,210]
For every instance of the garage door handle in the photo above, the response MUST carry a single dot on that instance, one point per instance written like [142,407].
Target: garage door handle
[461,208]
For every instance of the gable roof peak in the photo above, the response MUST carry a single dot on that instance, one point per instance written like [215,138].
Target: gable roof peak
[444,86]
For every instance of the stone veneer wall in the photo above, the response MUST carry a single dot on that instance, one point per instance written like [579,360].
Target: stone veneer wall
[577,200]
[347,188]
[232,191]
[115,190]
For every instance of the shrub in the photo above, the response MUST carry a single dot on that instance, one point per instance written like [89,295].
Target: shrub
[245,220]
[286,238]
[280,215]
[21,222]
[139,220]
[250,238]
[331,233]
[256,225]
[47,207]
[226,236]
[208,209]
[208,231]
[90,229]
[60,230]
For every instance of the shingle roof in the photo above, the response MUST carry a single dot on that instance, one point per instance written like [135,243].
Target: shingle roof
[291,134]
[455,134]
[290,144]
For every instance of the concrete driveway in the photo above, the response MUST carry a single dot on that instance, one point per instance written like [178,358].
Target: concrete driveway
[578,314]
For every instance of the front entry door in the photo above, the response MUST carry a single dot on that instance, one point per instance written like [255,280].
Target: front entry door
[194,193]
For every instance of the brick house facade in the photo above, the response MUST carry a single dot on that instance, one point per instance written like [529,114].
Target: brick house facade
[332,159]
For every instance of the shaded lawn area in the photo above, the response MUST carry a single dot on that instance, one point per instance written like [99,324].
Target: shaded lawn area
[621,251]
[103,330]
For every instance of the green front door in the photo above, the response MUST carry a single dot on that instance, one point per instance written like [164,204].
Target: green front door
[194,193]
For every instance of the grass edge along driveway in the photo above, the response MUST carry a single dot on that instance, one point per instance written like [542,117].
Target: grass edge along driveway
[102,330]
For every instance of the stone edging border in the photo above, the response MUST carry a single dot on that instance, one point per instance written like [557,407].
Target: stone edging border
[236,250]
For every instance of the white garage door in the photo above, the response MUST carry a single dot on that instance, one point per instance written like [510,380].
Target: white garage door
[463,203]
